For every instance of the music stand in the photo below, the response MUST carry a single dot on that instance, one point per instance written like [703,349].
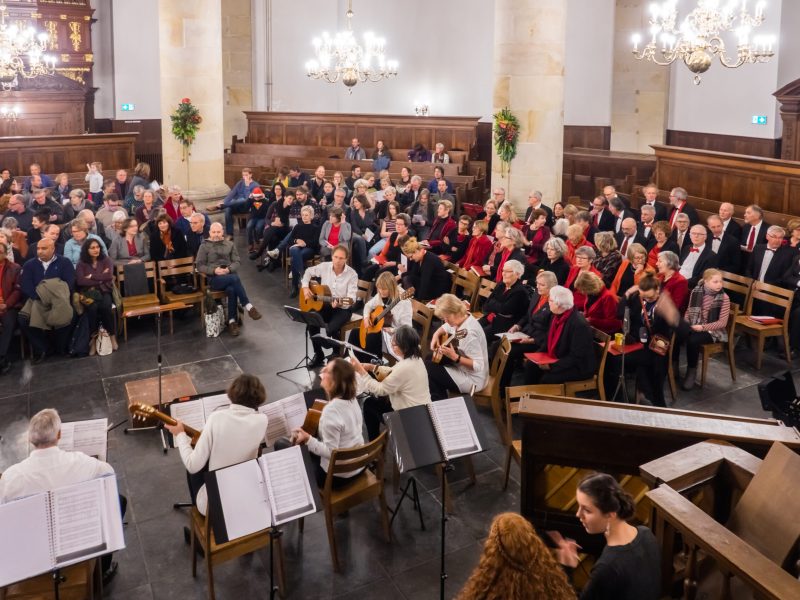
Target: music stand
[157,311]
[621,383]
[309,319]
[330,342]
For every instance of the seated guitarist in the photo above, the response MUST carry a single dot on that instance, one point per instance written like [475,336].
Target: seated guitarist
[387,292]
[469,365]
[342,281]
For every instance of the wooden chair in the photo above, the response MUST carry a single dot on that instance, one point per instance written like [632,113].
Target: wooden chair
[215,553]
[130,303]
[510,408]
[287,266]
[737,286]
[467,283]
[184,269]
[709,350]
[485,288]
[82,581]
[673,386]
[776,296]
[491,394]
[595,382]
[422,317]
[365,486]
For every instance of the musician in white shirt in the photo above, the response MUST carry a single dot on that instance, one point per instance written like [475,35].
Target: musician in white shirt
[387,291]
[342,281]
[470,365]
[231,435]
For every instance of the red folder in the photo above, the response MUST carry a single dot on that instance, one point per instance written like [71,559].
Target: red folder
[540,358]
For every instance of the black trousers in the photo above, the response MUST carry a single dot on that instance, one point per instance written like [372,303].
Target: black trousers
[40,340]
[8,321]
[374,409]
[694,341]
[439,380]
[651,371]
[101,313]
[271,238]
[334,319]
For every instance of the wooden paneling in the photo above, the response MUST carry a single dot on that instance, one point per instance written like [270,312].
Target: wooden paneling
[44,112]
[585,171]
[587,136]
[789,98]
[334,129]
[733,144]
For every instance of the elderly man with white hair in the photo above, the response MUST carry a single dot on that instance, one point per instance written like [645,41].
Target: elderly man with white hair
[507,303]
[698,256]
[770,261]
[569,342]
[49,467]
[535,202]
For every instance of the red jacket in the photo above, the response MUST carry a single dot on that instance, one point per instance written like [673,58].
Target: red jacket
[477,253]
[678,289]
[9,285]
[602,314]
[440,229]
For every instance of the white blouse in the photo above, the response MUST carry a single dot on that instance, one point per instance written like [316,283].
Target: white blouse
[472,346]
[340,426]
[401,315]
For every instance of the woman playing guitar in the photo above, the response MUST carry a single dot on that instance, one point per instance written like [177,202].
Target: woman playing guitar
[378,333]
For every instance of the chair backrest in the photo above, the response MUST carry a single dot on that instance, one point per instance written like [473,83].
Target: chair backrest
[364,290]
[498,366]
[149,271]
[422,316]
[467,282]
[734,312]
[602,344]
[344,460]
[485,288]
[771,294]
[176,266]
[738,285]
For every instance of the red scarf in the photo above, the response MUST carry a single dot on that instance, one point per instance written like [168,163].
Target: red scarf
[541,303]
[503,258]
[556,329]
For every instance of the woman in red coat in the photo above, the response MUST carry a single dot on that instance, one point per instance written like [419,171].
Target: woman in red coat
[672,281]
[583,264]
[479,247]
[600,305]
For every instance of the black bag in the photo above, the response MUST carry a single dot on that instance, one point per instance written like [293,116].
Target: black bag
[183,288]
[79,342]
[135,280]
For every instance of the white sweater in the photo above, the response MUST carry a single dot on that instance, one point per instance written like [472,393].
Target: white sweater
[406,385]
[340,426]
[401,315]
[472,346]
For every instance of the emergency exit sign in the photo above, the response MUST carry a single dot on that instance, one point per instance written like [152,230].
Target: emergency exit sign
[759,119]
[127,106]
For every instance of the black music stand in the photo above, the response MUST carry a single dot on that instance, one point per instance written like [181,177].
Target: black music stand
[621,384]
[309,319]
[329,342]
[58,579]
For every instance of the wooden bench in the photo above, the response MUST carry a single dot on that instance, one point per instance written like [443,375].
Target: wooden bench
[586,171]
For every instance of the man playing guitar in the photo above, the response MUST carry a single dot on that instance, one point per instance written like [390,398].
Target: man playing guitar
[342,281]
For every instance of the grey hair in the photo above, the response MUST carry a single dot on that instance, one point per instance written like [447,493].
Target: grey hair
[680,193]
[515,266]
[10,223]
[515,235]
[138,189]
[119,215]
[562,297]
[548,277]
[672,260]
[776,230]
[416,178]
[648,208]
[537,194]
[389,189]
[682,217]
[586,251]
[44,427]
[78,192]
[556,244]
[198,215]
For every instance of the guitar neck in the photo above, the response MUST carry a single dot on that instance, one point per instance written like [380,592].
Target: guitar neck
[165,418]
[386,310]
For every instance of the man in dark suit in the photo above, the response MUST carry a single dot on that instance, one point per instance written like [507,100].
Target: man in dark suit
[629,234]
[610,192]
[755,229]
[534,202]
[617,208]
[770,261]
[680,233]
[647,217]
[650,199]
[697,257]
[724,245]
[677,198]
[729,224]
[602,219]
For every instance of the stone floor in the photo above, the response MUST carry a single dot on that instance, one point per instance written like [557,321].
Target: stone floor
[156,563]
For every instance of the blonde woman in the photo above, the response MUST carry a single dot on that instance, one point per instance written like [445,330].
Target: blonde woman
[387,291]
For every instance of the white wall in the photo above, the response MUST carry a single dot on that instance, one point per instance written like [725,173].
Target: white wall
[136,65]
[726,99]
[445,61]
[789,44]
[589,62]
[103,71]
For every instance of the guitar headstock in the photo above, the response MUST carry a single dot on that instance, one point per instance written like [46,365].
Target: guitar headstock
[140,411]
[408,294]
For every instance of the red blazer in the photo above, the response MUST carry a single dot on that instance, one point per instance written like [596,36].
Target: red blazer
[602,314]
[678,289]
[440,230]
[477,252]
[12,296]
[578,298]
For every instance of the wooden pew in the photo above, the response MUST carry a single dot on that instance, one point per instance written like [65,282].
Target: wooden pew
[586,171]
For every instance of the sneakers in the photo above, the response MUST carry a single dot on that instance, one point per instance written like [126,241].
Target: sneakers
[273,253]
[254,314]
[233,328]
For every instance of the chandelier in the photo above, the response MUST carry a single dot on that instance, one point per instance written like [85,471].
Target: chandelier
[697,40]
[341,57]
[22,52]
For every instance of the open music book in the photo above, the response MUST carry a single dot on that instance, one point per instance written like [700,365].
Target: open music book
[434,433]
[252,496]
[283,416]
[89,437]
[195,413]
[54,529]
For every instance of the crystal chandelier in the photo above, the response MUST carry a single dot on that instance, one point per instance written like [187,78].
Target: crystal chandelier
[697,40]
[341,57]
[22,53]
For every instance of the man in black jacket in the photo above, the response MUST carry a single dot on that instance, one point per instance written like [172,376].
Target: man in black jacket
[534,202]
[650,198]
[677,198]
[602,219]
[724,245]
[617,208]
[629,234]
[680,233]
[771,260]
[697,257]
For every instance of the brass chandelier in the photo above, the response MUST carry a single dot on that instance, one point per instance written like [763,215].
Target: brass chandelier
[22,52]
[697,40]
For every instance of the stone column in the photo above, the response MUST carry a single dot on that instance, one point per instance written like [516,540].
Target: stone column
[237,72]
[529,53]
[190,49]
[640,91]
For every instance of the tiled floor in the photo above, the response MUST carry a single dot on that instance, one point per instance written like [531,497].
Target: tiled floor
[156,563]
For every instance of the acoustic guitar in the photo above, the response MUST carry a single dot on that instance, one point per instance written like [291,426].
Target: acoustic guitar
[448,340]
[145,411]
[321,295]
[311,422]
[380,316]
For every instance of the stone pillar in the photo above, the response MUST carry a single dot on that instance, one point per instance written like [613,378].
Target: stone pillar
[237,73]
[190,50]
[640,91]
[529,54]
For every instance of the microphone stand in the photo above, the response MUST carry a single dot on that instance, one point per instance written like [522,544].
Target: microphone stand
[626,328]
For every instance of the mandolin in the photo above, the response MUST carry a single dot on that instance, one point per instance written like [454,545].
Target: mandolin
[379,317]
[145,411]
[448,340]
[321,295]
[311,422]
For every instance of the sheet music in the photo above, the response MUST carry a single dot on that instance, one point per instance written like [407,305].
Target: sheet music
[287,482]
[24,520]
[292,221]
[379,197]
[455,428]
[190,412]
[244,499]
[89,437]
[517,335]
[368,235]
[294,409]
[404,260]
[214,403]
[276,422]
[78,520]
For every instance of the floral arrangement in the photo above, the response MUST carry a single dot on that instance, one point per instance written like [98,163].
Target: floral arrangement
[506,136]
[185,122]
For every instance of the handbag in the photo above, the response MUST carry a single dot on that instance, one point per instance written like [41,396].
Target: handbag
[214,322]
[102,342]
[659,344]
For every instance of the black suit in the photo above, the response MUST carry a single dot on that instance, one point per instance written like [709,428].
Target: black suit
[689,211]
[791,278]
[516,254]
[649,240]
[661,211]
[776,271]
[626,214]
[560,268]
[734,229]
[761,236]
[637,239]
[428,277]
[687,242]
[550,220]
[706,260]
[605,222]
[575,352]
[508,307]
[728,253]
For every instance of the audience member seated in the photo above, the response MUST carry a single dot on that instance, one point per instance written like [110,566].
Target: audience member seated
[677,200]
[41,201]
[729,224]
[419,153]
[149,208]
[52,232]
[663,242]
[554,261]
[489,214]
[630,566]
[218,259]
[340,425]
[754,231]
[404,386]
[724,246]
[39,225]
[115,230]
[48,467]
[537,234]
[422,213]
[303,243]
[602,219]
[440,156]
[478,248]
[770,261]
[134,201]
[80,233]
[672,282]
[411,193]
[576,238]
[235,202]
[653,318]
[94,280]
[132,247]
[354,151]
[793,228]
[10,303]
[697,257]
[647,219]
[443,225]
[317,183]
[196,235]
[257,206]
[276,228]
[390,256]
[187,210]
[229,436]
[516,564]
[511,243]
[650,192]
[381,157]
[36,172]
[425,272]
[335,231]
[111,205]
[76,202]
[6,237]
[507,214]
[637,257]
[387,211]
[620,212]
[461,369]
[507,303]
[441,192]
[18,211]
[362,220]
[584,257]
[628,234]
[170,243]
[337,200]
[297,177]
[535,203]
[610,263]
[93,225]
[705,322]
[47,283]
[680,233]
[600,305]
[301,200]
[172,204]
[454,245]
[5,182]
[584,219]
